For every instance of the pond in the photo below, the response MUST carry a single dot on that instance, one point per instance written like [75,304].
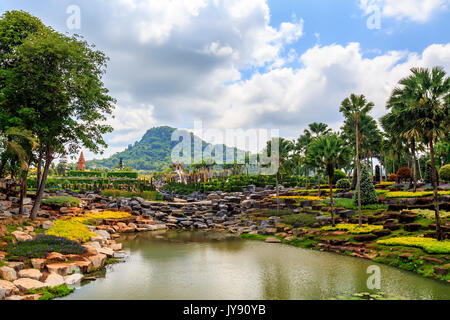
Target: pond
[205,265]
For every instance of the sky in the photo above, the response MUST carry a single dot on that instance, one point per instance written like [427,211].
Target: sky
[242,64]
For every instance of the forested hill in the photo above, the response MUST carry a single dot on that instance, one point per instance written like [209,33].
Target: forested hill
[152,152]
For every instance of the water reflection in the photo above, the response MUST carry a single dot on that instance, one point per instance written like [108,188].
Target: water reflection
[205,265]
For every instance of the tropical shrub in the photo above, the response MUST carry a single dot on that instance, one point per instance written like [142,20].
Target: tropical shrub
[338,175]
[368,193]
[72,230]
[430,245]
[42,245]
[353,228]
[404,173]
[444,173]
[393,177]
[61,201]
[343,184]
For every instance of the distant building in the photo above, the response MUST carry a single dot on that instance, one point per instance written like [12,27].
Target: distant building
[121,164]
[81,165]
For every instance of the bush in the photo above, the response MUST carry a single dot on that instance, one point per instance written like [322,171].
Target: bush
[42,245]
[61,201]
[72,230]
[343,184]
[299,219]
[430,245]
[49,293]
[123,174]
[404,173]
[338,175]
[393,177]
[101,216]
[368,193]
[444,173]
[78,173]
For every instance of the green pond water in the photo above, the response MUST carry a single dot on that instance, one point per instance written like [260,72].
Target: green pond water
[202,265]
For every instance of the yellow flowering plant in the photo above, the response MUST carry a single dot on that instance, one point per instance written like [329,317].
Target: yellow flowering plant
[70,229]
[353,228]
[430,245]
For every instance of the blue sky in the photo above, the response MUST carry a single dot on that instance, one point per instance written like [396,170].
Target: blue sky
[273,64]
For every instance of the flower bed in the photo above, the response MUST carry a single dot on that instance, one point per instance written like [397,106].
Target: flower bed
[385,183]
[101,216]
[42,245]
[419,194]
[353,228]
[430,245]
[70,229]
[301,197]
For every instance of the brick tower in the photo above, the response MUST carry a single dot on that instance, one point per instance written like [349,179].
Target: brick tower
[81,162]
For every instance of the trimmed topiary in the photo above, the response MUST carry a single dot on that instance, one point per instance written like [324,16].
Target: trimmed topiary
[368,193]
[404,173]
[444,173]
[343,184]
[393,177]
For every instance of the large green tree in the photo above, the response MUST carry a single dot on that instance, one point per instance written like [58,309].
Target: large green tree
[329,152]
[55,87]
[354,108]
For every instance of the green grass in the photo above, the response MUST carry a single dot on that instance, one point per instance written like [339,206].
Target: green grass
[349,204]
[274,213]
[61,201]
[52,293]
[305,218]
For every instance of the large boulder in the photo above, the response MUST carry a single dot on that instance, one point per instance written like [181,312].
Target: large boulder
[8,273]
[98,261]
[21,236]
[9,288]
[54,280]
[30,274]
[25,284]
[73,279]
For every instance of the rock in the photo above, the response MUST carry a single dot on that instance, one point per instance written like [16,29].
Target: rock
[116,246]
[54,280]
[38,263]
[85,266]
[25,284]
[2,294]
[433,260]
[273,240]
[440,271]
[63,269]
[106,251]
[270,231]
[213,196]
[249,203]
[98,261]
[56,256]
[411,227]
[381,233]
[15,298]
[21,236]
[9,288]
[15,265]
[365,237]
[47,225]
[73,279]
[347,214]
[103,234]
[8,273]
[30,273]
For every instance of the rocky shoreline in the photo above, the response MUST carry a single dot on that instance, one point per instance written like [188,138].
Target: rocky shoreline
[236,213]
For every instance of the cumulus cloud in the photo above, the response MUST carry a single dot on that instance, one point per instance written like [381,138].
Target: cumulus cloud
[414,10]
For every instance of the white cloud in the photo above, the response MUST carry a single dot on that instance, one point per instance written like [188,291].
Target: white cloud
[414,10]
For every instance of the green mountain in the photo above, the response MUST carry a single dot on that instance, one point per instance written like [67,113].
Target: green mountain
[152,152]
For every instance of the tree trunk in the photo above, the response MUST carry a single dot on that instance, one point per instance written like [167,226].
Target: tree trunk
[278,194]
[39,169]
[358,173]
[420,170]
[23,189]
[413,151]
[2,167]
[434,180]
[318,179]
[330,181]
[40,191]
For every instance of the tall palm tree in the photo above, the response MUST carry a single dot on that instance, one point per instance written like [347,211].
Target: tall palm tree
[319,129]
[354,108]
[329,152]
[284,149]
[429,96]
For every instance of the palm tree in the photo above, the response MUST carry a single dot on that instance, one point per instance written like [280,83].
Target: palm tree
[429,97]
[354,108]
[319,128]
[284,149]
[329,152]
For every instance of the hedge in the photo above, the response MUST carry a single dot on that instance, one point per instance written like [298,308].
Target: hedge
[122,174]
[78,173]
